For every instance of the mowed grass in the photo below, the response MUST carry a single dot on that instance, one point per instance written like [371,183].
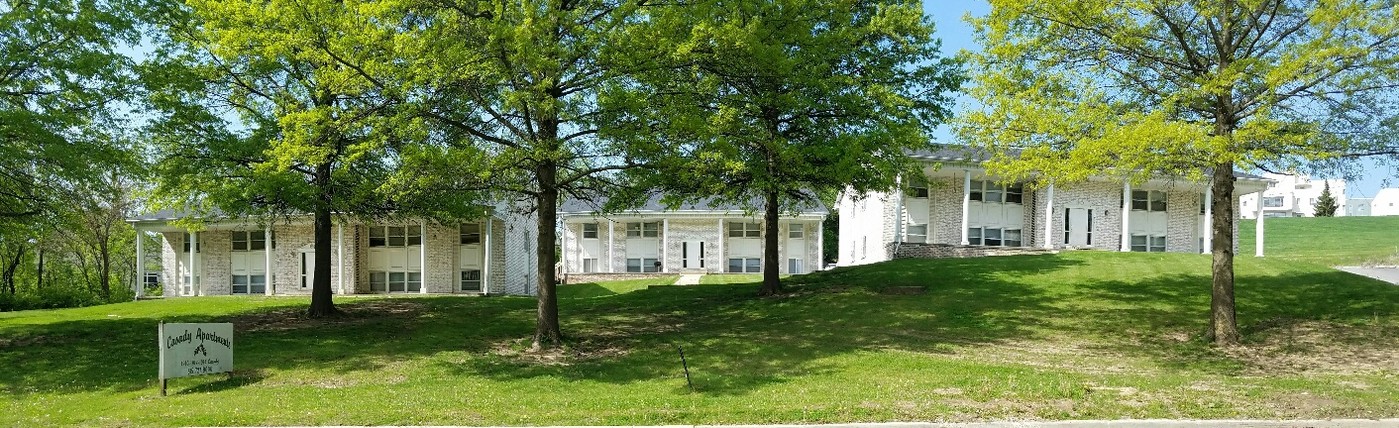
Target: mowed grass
[1069,336]
[1330,241]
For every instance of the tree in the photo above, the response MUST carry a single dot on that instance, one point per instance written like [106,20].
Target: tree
[1325,205]
[510,90]
[1191,88]
[268,109]
[771,104]
[62,74]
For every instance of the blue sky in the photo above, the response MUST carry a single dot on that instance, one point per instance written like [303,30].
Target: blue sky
[956,35]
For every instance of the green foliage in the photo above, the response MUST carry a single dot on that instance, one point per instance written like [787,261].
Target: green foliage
[1050,337]
[1325,205]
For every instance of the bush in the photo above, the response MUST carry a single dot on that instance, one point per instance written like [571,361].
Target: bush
[59,297]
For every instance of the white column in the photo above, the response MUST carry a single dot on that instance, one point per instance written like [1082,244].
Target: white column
[340,258]
[486,260]
[820,246]
[193,268]
[1209,218]
[1049,217]
[422,257]
[267,258]
[665,250]
[899,211]
[723,235]
[966,204]
[611,246]
[140,265]
[563,250]
[1126,215]
[1258,230]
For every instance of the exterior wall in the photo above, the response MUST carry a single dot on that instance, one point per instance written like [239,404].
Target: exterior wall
[1299,194]
[519,235]
[945,196]
[170,243]
[442,245]
[674,232]
[700,229]
[1183,221]
[1105,199]
[216,257]
[1386,202]
[866,228]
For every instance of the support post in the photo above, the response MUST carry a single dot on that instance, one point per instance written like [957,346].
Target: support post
[665,240]
[820,245]
[966,204]
[340,257]
[611,246]
[1209,218]
[267,258]
[422,257]
[140,264]
[1049,217]
[563,252]
[193,268]
[1258,229]
[486,260]
[899,211]
[723,235]
[1126,216]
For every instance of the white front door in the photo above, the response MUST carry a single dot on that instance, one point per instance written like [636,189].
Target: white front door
[692,255]
[1079,230]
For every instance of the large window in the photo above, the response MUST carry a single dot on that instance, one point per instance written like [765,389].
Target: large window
[249,284]
[1149,243]
[395,236]
[470,233]
[643,230]
[745,265]
[1272,202]
[471,280]
[1144,200]
[643,265]
[918,233]
[249,241]
[989,191]
[994,237]
[745,230]
[589,230]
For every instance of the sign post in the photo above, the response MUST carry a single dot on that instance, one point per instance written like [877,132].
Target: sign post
[188,349]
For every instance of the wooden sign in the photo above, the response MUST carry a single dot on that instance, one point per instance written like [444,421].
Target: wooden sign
[188,349]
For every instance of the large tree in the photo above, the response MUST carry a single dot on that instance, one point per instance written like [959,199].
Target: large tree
[510,89]
[268,108]
[772,104]
[1186,87]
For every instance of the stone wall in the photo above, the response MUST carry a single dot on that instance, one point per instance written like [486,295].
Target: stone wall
[584,278]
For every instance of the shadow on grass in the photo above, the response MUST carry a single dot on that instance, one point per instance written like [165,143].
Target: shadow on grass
[736,343]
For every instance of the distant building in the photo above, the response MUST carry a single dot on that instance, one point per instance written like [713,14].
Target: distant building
[1358,207]
[1386,202]
[1293,196]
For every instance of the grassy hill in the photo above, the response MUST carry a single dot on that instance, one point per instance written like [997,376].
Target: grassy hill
[1331,241]
[1069,336]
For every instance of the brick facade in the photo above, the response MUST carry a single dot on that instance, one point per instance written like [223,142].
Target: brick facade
[673,233]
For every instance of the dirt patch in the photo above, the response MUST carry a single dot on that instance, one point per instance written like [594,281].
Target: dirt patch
[518,350]
[1319,347]
[282,319]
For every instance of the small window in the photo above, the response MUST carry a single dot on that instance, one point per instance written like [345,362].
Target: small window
[257,241]
[415,236]
[977,186]
[397,236]
[197,246]
[1015,193]
[415,281]
[240,241]
[745,265]
[471,280]
[991,237]
[1158,201]
[993,193]
[1139,243]
[376,237]
[1140,200]
[590,265]
[974,236]
[379,281]
[1158,244]
[794,266]
[745,230]
[240,284]
[643,230]
[643,265]
[1012,238]
[796,232]
[918,191]
[589,230]
[470,233]
[633,265]
[398,281]
[917,233]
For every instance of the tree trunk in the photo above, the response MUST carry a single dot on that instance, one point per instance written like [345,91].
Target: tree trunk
[546,327]
[772,284]
[105,270]
[11,268]
[1224,329]
[321,303]
[39,281]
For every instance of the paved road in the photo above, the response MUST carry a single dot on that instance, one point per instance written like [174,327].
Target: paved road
[1386,274]
[1144,423]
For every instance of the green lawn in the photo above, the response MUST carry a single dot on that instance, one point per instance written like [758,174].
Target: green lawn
[1069,336]
[1331,241]
[611,288]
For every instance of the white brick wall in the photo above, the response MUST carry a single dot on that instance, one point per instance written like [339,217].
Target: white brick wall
[710,230]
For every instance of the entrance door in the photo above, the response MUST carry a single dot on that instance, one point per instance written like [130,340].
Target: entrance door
[308,269]
[692,254]
[1079,230]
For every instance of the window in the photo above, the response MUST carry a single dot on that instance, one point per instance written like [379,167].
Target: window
[379,281]
[643,265]
[917,233]
[643,230]
[796,232]
[745,265]
[471,280]
[470,233]
[918,191]
[249,284]
[1151,243]
[415,281]
[1153,200]
[794,266]
[745,230]
[249,241]
[1272,202]
[995,237]
[989,191]
[396,236]
[590,265]
[398,281]
[589,230]
[197,245]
